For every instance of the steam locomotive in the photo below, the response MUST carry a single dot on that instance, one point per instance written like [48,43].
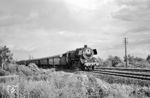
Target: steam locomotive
[81,58]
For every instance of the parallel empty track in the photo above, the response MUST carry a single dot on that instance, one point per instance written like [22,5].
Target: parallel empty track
[143,74]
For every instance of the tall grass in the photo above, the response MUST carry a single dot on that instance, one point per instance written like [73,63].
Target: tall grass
[80,85]
[62,85]
[52,84]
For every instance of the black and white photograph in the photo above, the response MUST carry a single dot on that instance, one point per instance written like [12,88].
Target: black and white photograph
[74,48]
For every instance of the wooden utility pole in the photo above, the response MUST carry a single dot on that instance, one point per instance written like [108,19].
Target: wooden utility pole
[125,41]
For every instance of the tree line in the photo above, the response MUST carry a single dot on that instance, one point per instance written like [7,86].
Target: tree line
[5,56]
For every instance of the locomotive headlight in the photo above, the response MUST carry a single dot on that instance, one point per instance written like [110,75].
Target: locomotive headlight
[85,61]
[88,51]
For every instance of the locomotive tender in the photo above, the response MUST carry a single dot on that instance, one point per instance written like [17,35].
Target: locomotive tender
[80,58]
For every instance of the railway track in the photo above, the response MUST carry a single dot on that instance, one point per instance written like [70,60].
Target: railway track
[143,74]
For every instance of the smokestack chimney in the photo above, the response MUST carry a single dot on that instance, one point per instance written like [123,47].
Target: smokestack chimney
[85,46]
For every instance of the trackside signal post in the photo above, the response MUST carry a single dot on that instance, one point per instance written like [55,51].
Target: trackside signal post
[125,41]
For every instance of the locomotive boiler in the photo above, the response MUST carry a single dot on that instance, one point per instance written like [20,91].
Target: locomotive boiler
[82,58]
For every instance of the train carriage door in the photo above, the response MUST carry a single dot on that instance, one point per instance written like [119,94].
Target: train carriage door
[53,62]
[48,64]
[67,58]
[63,59]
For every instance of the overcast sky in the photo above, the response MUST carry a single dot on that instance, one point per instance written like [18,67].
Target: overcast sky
[43,28]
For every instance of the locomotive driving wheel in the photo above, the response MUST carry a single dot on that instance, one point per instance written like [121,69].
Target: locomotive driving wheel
[83,68]
[92,67]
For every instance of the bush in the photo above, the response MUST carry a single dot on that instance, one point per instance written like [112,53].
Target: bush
[12,68]
[4,93]
[33,67]
[100,61]
[138,62]
[112,61]
[148,58]
[3,72]
[24,70]
[139,93]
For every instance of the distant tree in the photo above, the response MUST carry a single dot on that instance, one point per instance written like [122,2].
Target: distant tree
[130,59]
[112,61]
[139,62]
[5,56]
[116,60]
[99,60]
[139,59]
[148,58]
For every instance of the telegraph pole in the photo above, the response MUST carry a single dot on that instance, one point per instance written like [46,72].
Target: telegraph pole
[125,41]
